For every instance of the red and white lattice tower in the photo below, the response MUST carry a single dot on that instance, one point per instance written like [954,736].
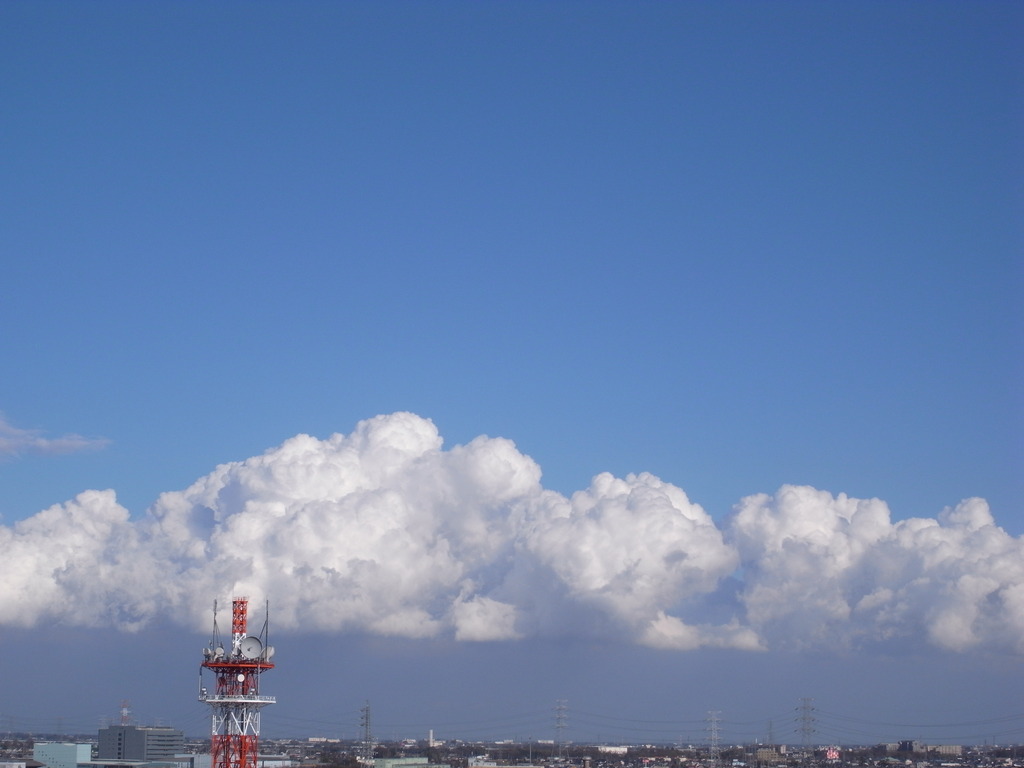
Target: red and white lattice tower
[236,701]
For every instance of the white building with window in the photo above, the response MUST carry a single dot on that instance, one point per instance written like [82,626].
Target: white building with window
[56,754]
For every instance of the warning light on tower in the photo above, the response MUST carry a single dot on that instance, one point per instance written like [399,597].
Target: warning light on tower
[236,701]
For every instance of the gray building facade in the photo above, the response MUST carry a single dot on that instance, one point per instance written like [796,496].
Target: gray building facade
[134,742]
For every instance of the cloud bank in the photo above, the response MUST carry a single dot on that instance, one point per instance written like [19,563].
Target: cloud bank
[385,531]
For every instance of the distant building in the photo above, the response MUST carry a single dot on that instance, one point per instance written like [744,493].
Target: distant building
[405,762]
[274,761]
[61,754]
[134,742]
[768,755]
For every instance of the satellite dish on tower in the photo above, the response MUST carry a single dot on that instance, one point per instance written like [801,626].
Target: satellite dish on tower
[250,647]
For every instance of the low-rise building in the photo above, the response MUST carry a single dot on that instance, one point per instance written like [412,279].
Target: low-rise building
[61,754]
[135,742]
[405,762]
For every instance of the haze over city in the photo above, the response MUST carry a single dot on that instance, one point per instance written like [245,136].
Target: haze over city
[655,358]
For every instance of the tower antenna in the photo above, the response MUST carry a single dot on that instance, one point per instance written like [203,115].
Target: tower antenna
[236,702]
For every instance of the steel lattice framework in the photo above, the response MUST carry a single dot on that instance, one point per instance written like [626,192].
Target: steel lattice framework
[236,701]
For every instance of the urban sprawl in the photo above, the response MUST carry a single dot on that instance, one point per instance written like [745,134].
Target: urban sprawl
[132,746]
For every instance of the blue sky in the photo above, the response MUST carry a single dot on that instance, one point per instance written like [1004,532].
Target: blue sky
[738,246]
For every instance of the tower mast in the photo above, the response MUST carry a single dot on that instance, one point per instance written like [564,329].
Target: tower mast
[236,701]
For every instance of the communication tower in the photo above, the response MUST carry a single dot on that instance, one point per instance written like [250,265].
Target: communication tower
[236,701]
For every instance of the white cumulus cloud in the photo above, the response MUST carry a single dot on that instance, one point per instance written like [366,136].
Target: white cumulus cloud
[831,570]
[385,530]
[78,561]
[631,548]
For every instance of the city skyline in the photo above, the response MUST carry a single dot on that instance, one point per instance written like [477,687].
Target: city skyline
[805,726]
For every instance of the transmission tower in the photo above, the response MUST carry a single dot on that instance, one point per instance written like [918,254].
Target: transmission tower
[561,722]
[807,719]
[367,747]
[714,738]
[236,702]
